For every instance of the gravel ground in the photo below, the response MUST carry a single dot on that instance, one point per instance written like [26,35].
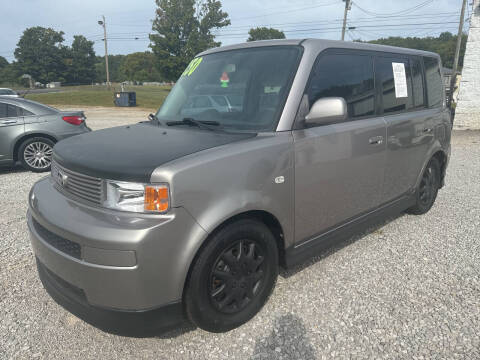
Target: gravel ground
[407,289]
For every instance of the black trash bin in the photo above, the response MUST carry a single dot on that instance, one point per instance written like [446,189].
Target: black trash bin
[125,98]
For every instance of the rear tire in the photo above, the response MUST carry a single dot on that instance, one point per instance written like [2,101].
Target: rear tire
[427,190]
[232,277]
[35,154]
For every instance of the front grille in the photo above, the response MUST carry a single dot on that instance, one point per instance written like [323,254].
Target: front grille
[64,245]
[85,187]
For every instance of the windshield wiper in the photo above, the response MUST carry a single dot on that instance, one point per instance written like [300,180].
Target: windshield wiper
[203,124]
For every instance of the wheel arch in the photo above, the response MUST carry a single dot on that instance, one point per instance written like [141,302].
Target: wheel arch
[443,160]
[265,217]
[25,137]
[441,156]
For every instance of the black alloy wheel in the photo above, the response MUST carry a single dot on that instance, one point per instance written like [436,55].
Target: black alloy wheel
[232,276]
[237,276]
[427,190]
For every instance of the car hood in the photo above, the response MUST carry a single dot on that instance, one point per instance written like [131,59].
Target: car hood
[131,153]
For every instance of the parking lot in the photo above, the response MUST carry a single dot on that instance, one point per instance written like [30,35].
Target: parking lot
[408,288]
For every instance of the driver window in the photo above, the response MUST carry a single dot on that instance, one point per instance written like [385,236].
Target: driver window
[348,76]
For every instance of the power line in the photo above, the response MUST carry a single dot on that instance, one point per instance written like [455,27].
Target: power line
[286,11]
[412,9]
[357,22]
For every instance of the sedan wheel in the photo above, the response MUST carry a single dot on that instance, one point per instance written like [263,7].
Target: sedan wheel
[36,154]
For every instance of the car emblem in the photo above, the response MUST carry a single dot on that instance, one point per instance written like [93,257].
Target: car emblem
[62,177]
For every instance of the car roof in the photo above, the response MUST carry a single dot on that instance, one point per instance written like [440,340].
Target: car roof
[317,45]
[33,106]
[15,100]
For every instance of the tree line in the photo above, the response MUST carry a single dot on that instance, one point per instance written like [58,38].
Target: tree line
[444,45]
[180,30]
[41,53]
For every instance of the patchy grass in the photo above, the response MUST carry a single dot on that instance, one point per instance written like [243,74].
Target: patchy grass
[148,97]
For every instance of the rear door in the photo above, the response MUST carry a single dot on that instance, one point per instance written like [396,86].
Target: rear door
[11,127]
[339,168]
[402,99]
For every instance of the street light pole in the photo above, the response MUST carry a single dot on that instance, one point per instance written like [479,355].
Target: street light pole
[106,49]
[457,53]
[347,7]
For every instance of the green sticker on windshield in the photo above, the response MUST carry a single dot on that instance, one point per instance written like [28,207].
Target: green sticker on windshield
[192,66]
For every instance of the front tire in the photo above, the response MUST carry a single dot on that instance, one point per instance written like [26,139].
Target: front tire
[232,277]
[35,154]
[427,190]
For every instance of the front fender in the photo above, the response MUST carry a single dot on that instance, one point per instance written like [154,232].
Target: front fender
[217,184]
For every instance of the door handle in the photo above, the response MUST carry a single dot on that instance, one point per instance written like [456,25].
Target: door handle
[376,140]
[427,130]
[7,122]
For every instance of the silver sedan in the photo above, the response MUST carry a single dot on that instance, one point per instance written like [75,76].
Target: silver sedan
[29,130]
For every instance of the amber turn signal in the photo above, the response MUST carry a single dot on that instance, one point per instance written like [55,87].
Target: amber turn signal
[156,198]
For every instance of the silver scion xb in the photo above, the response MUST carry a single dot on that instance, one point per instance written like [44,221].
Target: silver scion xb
[141,227]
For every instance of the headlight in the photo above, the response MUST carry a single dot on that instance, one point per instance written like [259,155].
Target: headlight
[136,197]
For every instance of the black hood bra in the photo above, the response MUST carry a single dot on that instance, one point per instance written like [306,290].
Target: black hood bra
[131,153]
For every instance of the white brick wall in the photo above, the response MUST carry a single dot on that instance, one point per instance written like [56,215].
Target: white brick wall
[467,114]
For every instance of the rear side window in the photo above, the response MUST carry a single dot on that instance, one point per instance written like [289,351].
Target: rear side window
[12,111]
[3,110]
[7,110]
[347,76]
[434,82]
[417,81]
[24,112]
[395,81]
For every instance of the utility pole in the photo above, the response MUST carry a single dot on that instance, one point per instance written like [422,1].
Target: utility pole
[102,23]
[457,53]
[347,7]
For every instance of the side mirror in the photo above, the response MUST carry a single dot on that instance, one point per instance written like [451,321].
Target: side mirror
[152,117]
[327,110]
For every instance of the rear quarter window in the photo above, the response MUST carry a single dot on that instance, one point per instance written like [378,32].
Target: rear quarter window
[434,82]
[417,80]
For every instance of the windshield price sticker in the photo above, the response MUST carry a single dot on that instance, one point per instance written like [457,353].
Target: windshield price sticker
[400,80]
[192,66]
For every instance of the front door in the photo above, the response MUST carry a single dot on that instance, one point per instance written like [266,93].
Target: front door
[11,126]
[339,168]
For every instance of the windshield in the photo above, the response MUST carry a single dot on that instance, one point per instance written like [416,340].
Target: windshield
[7,92]
[241,89]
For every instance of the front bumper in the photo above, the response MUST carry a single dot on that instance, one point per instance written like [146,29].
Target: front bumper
[126,323]
[120,261]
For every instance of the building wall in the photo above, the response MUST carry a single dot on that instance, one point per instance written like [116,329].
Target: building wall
[467,113]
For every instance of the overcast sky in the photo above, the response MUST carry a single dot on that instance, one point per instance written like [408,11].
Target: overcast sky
[130,19]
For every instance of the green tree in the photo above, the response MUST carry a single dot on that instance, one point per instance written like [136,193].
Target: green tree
[41,54]
[264,33]
[140,66]
[183,28]
[444,45]
[9,74]
[114,67]
[3,62]
[81,64]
